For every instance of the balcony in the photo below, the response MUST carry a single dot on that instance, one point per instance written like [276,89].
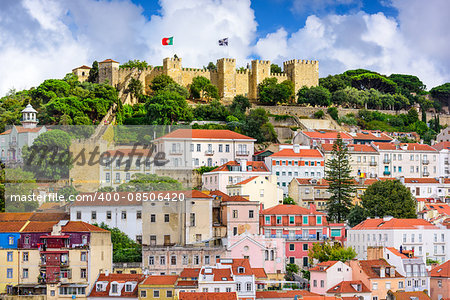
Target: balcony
[425,161]
[299,237]
[387,161]
[426,173]
[373,163]
[242,153]
[386,173]
[209,152]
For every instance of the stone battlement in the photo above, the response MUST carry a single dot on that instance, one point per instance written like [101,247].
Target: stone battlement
[229,80]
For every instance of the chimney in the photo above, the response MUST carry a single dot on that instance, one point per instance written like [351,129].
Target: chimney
[106,273]
[387,218]
[243,163]
[296,148]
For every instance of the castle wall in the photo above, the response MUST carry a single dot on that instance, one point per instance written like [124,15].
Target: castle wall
[279,76]
[187,74]
[242,82]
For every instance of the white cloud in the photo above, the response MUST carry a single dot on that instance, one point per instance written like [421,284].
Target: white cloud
[371,41]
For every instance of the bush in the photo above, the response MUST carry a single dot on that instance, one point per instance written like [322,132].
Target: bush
[333,112]
[319,114]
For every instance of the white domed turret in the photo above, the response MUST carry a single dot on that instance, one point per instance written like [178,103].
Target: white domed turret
[29,117]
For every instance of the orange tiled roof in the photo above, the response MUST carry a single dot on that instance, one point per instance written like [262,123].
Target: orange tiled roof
[12,217]
[441,145]
[441,208]
[108,60]
[393,224]
[240,262]
[286,294]
[400,295]
[207,134]
[396,252]
[247,180]
[301,153]
[218,193]
[320,181]
[23,130]
[285,209]
[323,266]
[442,270]
[118,278]
[221,274]
[39,226]
[208,296]
[326,134]
[83,67]
[49,216]
[190,283]
[421,180]
[257,166]
[259,272]
[368,135]
[371,267]
[236,198]
[190,273]
[351,148]
[160,280]
[79,226]
[11,226]
[410,146]
[345,287]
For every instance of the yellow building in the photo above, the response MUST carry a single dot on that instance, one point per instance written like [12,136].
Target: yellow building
[159,287]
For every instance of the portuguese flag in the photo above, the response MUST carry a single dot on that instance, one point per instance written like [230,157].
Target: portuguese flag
[167,41]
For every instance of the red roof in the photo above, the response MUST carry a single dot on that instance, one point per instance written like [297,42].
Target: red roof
[441,145]
[21,129]
[301,153]
[323,266]
[441,208]
[326,134]
[393,224]
[285,294]
[79,226]
[441,270]
[189,283]
[11,217]
[259,272]
[160,280]
[220,274]
[239,264]
[351,148]
[256,166]
[208,296]
[11,226]
[421,180]
[396,252]
[117,278]
[83,67]
[372,267]
[308,181]
[409,146]
[285,209]
[247,180]
[108,60]
[39,227]
[401,295]
[345,287]
[207,134]
[190,273]
[368,135]
[236,198]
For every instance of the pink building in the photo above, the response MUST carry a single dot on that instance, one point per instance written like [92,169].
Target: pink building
[239,215]
[328,274]
[440,281]
[300,227]
[262,252]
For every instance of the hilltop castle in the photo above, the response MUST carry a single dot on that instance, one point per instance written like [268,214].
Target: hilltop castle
[226,77]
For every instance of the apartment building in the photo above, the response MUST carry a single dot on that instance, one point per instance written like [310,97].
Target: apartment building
[364,159]
[425,187]
[407,160]
[202,147]
[310,191]
[426,239]
[443,149]
[327,274]
[233,172]
[262,189]
[297,162]
[239,215]
[300,227]
[369,136]
[440,281]
[316,138]
[121,211]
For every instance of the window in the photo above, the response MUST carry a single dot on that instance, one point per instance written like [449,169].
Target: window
[26,240]
[128,287]
[114,288]
[315,283]
[251,214]
[228,290]
[139,239]
[25,256]
[227,148]
[152,218]
[9,256]
[199,147]
[169,294]
[93,215]
[249,286]
[143,294]
[374,286]
[151,260]
[173,260]
[305,261]
[235,231]
[388,285]
[238,287]
[83,256]
[196,260]
[319,219]
[9,273]
[305,247]
[166,218]
[207,259]
[235,214]
[291,219]
[124,215]
[185,259]
[278,219]
[305,219]
[108,215]
[24,273]
[155,293]
[322,283]
[291,247]
[11,240]
[374,298]
[162,260]
[78,215]
[400,284]
[220,148]
[139,214]
[83,273]
[267,220]
[439,283]
[192,220]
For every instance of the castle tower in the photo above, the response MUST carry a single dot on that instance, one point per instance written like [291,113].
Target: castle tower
[226,77]
[29,117]
[108,70]
[172,67]
[302,72]
[260,71]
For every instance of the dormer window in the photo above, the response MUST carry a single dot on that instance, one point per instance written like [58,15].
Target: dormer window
[241,270]
[114,288]
[224,279]
[128,287]
[99,287]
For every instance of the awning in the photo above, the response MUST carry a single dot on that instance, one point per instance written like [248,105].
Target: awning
[55,252]
[26,285]
[55,236]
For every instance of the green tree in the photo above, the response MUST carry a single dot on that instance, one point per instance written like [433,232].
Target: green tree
[160,82]
[175,87]
[135,88]
[257,126]
[106,189]
[274,68]
[291,269]
[289,201]
[22,183]
[204,169]
[212,111]
[356,215]
[388,198]
[366,81]
[201,87]
[49,157]
[211,66]
[150,182]
[334,83]
[357,72]
[333,112]
[136,63]
[167,108]
[93,73]
[271,93]
[315,96]
[441,93]
[408,84]
[327,251]
[341,186]
[239,106]
[413,116]
[319,114]
[124,248]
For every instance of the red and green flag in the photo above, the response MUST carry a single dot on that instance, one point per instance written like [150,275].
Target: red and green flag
[167,41]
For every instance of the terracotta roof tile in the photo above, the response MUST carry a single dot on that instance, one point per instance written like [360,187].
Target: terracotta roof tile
[82,67]
[442,270]
[240,263]
[190,273]
[208,296]
[400,295]
[108,60]
[79,226]
[345,287]
[441,145]
[372,267]
[189,283]
[11,217]
[247,180]
[259,273]
[117,278]
[23,130]
[371,136]
[421,180]
[11,226]
[39,226]
[323,266]
[207,134]
[351,148]
[160,280]
[286,294]
[327,134]
[47,217]
[301,153]
[256,166]
[396,252]
[393,224]
[409,146]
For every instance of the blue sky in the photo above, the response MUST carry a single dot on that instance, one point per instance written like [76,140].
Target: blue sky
[48,38]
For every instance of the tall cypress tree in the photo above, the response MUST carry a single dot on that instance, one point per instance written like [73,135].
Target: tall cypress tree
[93,73]
[341,184]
